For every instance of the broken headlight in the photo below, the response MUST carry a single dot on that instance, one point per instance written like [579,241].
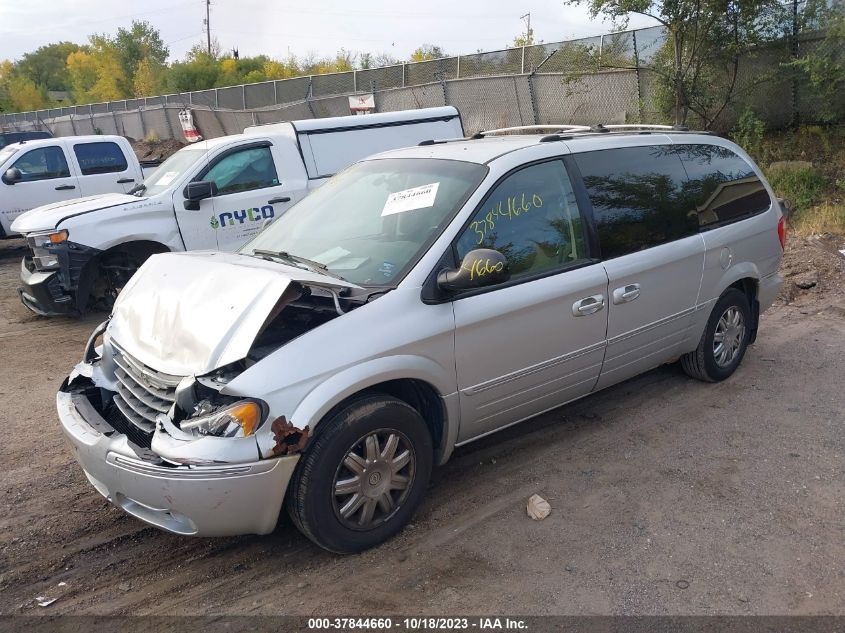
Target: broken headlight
[237,420]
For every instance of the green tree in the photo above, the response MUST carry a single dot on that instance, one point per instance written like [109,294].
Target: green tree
[427,52]
[46,66]
[133,45]
[148,78]
[822,69]
[699,65]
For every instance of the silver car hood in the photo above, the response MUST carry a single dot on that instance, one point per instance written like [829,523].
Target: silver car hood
[187,314]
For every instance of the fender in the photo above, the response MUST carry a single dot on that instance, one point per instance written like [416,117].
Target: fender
[742,270]
[328,394]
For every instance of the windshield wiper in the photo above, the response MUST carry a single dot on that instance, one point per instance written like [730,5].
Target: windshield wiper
[139,188]
[297,261]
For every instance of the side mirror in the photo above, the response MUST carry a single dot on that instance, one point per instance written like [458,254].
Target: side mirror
[195,192]
[479,268]
[12,176]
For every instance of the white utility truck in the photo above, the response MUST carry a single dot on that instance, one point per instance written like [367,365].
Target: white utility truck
[216,194]
[47,170]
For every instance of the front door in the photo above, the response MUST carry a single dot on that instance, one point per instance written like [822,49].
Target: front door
[45,178]
[538,340]
[249,193]
[653,254]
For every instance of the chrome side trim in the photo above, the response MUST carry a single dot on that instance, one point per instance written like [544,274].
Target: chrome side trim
[533,369]
[651,326]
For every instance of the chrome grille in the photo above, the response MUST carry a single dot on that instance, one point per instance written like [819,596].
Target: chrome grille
[142,393]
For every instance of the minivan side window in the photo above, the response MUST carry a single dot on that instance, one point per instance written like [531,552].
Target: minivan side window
[637,197]
[244,170]
[99,158]
[44,163]
[722,187]
[532,218]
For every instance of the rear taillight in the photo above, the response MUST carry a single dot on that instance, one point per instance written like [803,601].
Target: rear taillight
[782,232]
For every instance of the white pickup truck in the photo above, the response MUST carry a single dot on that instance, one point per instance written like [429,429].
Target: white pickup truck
[216,194]
[46,170]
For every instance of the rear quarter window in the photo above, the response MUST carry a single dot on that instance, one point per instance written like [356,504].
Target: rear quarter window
[637,194]
[722,187]
[99,158]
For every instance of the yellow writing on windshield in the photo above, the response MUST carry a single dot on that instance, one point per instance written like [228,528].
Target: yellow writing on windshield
[480,268]
[508,209]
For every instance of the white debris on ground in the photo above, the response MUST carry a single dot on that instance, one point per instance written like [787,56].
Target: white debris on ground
[538,508]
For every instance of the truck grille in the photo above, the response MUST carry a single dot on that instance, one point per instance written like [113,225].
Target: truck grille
[142,393]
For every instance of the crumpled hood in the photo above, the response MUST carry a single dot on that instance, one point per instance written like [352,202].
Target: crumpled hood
[189,313]
[48,217]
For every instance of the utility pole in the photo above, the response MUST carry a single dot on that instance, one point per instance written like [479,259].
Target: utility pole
[527,18]
[208,24]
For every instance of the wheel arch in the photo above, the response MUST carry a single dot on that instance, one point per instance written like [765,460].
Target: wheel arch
[91,271]
[417,381]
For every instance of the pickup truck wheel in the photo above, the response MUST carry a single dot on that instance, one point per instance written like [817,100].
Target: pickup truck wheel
[363,476]
[725,339]
[114,271]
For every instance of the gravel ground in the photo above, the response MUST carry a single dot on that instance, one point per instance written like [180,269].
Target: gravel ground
[669,496]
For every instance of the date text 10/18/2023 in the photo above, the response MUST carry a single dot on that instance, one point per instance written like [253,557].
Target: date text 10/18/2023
[418,624]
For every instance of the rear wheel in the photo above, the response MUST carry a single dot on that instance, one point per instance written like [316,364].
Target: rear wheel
[363,476]
[725,339]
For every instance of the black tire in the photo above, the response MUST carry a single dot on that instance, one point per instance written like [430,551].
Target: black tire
[702,363]
[311,500]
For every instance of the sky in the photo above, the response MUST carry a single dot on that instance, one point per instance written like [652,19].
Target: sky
[321,27]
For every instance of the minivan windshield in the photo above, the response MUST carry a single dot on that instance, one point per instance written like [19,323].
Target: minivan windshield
[368,223]
[170,171]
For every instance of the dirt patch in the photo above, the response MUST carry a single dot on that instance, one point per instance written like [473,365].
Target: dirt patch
[668,496]
[156,150]
[813,269]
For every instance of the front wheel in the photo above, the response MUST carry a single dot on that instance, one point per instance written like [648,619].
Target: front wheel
[364,475]
[725,339]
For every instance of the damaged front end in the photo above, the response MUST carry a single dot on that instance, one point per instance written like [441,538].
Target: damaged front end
[151,411]
[201,476]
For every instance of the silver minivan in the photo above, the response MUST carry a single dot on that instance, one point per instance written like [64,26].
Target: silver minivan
[421,299]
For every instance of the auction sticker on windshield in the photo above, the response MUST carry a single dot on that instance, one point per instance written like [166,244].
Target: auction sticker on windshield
[410,199]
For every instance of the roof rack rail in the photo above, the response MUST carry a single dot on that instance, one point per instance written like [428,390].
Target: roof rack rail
[439,141]
[533,128]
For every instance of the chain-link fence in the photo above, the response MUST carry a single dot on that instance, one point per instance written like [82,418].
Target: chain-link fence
[602,79]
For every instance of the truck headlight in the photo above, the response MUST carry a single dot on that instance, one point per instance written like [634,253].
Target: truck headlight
[237,420]
[46,239]
[46,262]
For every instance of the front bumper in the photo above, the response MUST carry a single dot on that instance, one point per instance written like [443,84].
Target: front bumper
[60,291]
[42,292]
[220,500]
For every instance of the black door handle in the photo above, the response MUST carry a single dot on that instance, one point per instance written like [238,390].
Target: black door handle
[65,187]
[278,200]
[123,181]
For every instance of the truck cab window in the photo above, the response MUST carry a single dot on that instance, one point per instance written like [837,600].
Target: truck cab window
[100,158]
[243,170]
[44,163]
